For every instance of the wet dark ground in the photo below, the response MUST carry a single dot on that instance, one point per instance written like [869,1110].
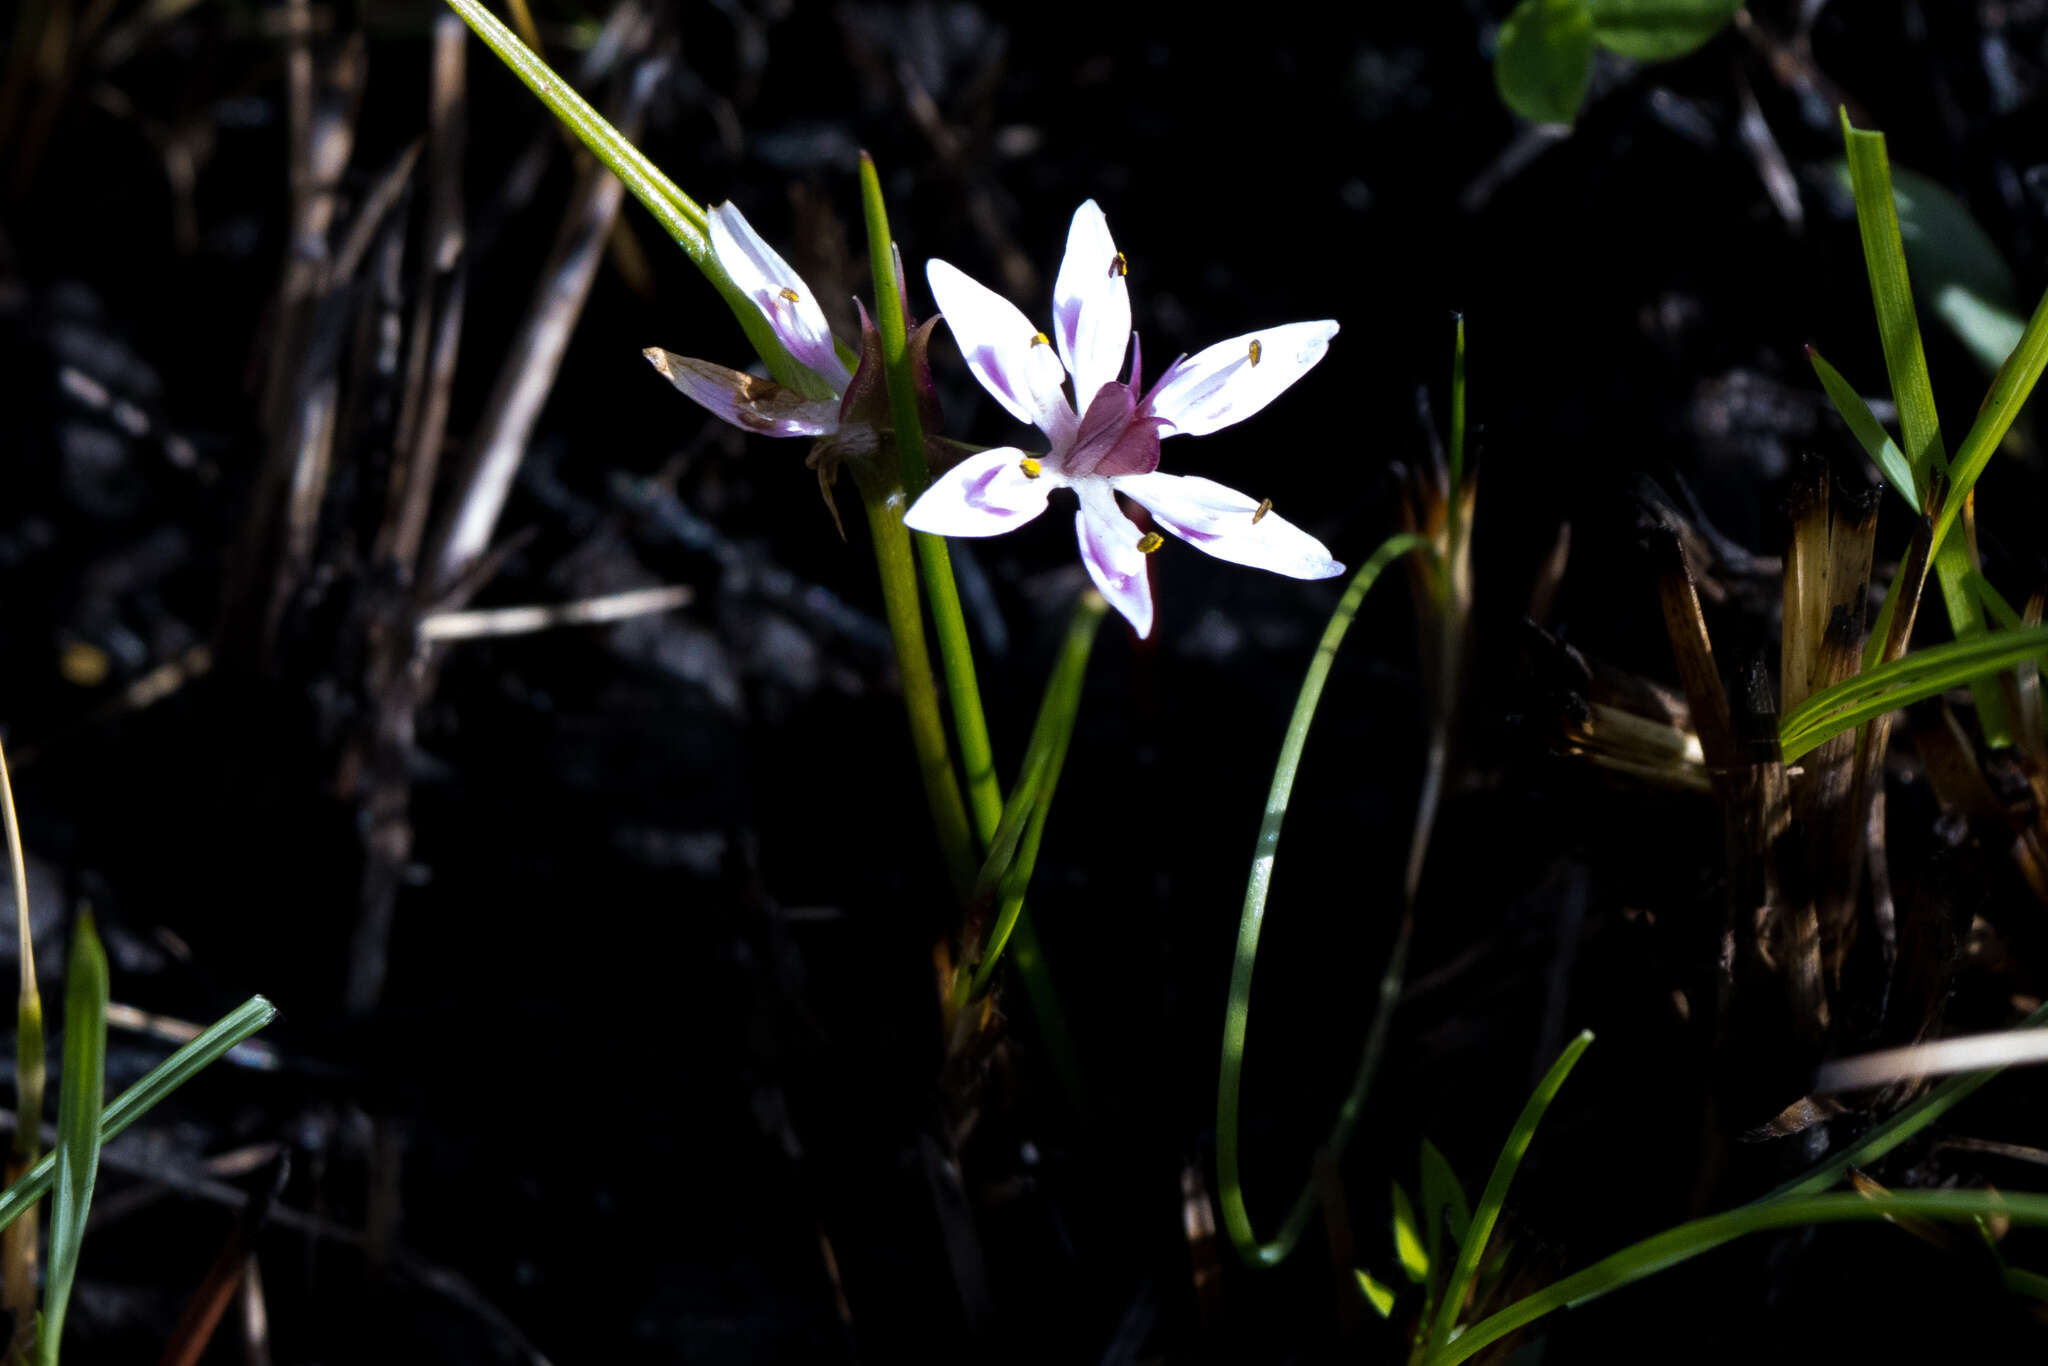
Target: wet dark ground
[659,1030]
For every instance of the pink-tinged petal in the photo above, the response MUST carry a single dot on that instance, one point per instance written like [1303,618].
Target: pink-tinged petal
[779,292]
[1091,304]
[983,495]
[1006,353]
[1109,547]
[746,401]
[1229,525]
[1231,380]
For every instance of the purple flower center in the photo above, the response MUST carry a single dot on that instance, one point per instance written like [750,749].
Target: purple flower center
[1113,438]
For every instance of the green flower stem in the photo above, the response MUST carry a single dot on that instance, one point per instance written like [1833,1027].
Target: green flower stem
[920,695]
[1044,756]
[956,656]
[1675,1245]
[1487,1212]
[137,1101]
[679,215]
[1230,1189]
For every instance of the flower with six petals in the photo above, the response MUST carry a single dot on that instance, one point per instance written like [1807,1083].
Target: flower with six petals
[1106,441]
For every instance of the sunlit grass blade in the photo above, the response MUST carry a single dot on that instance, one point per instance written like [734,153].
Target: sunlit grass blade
[1994,602]
[1904,681]
[2010,389]
[1487,1212]
[1901,1127]
[1680,1244]
[1044,755]
[1905,358]
[81,1093]
[1237,1219]
[139,1099]
[682,217]
[1408,1245]
[1380,1297]
[18,1245]
[1877,443]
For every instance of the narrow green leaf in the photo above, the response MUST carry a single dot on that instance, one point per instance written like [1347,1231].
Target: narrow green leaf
[1408,1239]
[1686,1241]
[1237,1220]
[1487,1213]
[1002,846]
[80,1096]
[1380,1297]
[139,1099]
[1884,254]
[1545,59]
[2010,389]
[1904,681]
[1877,443]
[1658,30]
[1443,1198]
[1994,602]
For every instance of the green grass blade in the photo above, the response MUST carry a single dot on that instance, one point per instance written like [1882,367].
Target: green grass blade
[1408,1244]
[18,1246]
[1443,1199]
[1487,1212]
[1877,443]
[1237,1220]
[1994,602]
[139,1099]
[2010,389]
[1380,1297]
[1045,754]
[1680,1244]
[81,1093]
[679,215]
[1899,1128]
[1904,681]
[1905,359]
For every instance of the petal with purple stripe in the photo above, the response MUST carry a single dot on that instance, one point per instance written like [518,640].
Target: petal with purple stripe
[1224,523]
[983,495]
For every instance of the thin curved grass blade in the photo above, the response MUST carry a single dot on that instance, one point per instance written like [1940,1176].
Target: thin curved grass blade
[81,1094]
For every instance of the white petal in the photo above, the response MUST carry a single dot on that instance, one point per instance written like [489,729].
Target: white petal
[1091,305]
[983,495]
[1228,525]
[747,401]
[1231,380]
[1003,350]
[779,292]
[1109,547]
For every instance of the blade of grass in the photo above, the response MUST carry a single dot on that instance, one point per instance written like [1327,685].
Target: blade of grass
[1673,1246]
[2010,389]
[1899,1128]
[1045,754]
[956,655]
[1877,443]
[1994,602]
[1237,1014]
[1898,325]
[81,1093]
[1486,1213]
[139,1099]
[18,1244]
[679,215]
[1903,682]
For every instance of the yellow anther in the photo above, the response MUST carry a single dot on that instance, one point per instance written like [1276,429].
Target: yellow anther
[1040,339]
[1032,469]
[1265,506]
[1119,264]
[1150,542]
[1257,350]
[790,295]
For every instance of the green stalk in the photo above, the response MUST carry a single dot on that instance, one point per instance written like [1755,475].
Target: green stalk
[18,1245]
[81,1103]
[1487,1212]
[920,695]
[1044,756]
[679,215]
[1680,1244]
[1237,1014]
[144,1095]
[956,656]
[1456,512]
